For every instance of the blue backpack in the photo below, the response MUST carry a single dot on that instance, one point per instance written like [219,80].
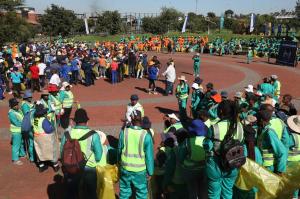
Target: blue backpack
[26,123]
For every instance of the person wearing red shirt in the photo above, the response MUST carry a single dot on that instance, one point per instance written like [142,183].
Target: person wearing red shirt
[114,67]
[35,81]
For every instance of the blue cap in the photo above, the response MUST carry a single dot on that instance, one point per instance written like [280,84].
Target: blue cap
[134,97]
[224,94]
[197,128]
[27,94]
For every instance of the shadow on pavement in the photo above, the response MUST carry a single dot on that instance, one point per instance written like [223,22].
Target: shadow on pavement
[56,190]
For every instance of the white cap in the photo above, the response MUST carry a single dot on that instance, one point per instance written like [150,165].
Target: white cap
[274,76]
[173,116]
[249,88]
[1,60]
[195,86]
[64,85]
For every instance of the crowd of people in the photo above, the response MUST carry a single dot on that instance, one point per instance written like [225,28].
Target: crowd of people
[192,160]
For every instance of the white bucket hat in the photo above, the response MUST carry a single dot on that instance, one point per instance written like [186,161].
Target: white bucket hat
[249,88]
[195,86]
[294,123]
[64,85]
[182,78]
[173,116]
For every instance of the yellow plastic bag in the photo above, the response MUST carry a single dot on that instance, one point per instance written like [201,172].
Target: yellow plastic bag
[23,87]
[106,177]
[270,185]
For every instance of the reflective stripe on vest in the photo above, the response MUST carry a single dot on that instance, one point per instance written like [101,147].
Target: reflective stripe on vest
[177,126]
[196,153]
[267,155]
[19,116]
[133,155]
[294,153]
[268,158]
[220,130]
[277,91]
[68,100]
[57,104]
[277,125]
[182,95]
[38,126]
[86,147]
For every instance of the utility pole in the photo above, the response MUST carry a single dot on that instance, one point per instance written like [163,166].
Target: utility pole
[196,7]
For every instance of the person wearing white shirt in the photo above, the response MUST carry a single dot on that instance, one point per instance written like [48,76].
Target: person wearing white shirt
[55,78]
[42,76]
[134,105]
[170,75]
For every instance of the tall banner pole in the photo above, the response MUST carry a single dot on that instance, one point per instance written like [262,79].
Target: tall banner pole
[86,26]
[184,24]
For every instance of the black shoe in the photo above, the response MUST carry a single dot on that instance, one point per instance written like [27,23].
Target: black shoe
[42,169]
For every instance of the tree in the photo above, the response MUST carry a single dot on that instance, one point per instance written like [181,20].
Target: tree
[196,23]
[57,20]
[109,21]
[153,25]
[211,15]
[229,13]
[297,8]
[10,5]
[13,27]
[170,19]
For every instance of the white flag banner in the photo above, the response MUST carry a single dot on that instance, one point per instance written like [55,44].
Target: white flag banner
[86,26]
[184,24]
[252,22]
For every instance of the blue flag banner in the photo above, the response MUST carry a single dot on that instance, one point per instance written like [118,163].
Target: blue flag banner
[252,22]
[184,24]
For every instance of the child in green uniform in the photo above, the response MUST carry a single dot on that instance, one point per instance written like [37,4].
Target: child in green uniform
[197,61]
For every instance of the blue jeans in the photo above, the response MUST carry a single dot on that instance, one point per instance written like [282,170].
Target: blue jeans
[114,76]
[169,87]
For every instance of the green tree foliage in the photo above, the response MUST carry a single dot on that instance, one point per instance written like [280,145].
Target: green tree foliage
[211,15]
[196,23]
[297,8]
[109,21]
[57,20]
[10,5]
[229,13]
[14,28]
[153,25]
[169,18]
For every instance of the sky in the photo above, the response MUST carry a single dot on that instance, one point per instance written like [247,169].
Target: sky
[153,6]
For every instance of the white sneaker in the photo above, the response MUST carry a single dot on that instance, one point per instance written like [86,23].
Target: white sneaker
[18,162]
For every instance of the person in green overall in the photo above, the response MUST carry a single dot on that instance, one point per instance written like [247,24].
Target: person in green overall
[15,117]
[249,55]
[55,104]
[182,94]
[213,107]
[197,62]
[293,123]
[195,101]
[277,87]
[173,183]
[192,158]
[92,149]
[221,182]
[252,152]
[207,96]
[28,108]
[66,97]
[135,154]
[266,87]
[273,151]
[277,125]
